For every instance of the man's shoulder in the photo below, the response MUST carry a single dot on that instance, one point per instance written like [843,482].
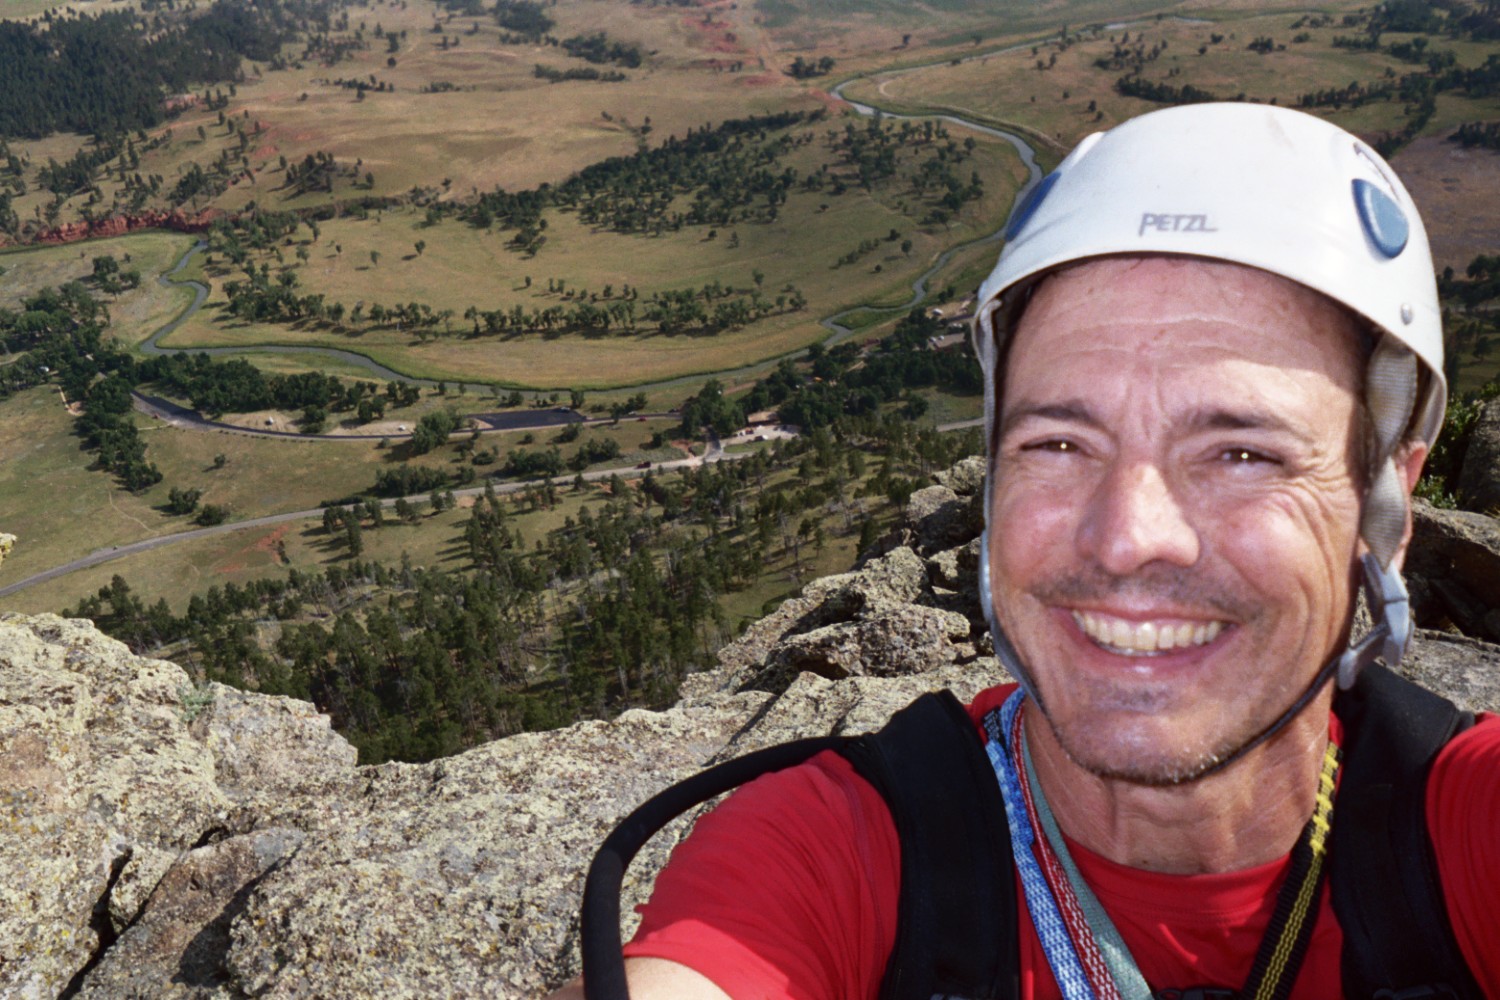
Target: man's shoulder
[988,700]
[1475,749]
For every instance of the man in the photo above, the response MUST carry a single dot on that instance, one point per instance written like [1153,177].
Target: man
[1214,369]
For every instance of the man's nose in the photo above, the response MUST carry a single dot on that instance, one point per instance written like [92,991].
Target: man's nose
[1134,518]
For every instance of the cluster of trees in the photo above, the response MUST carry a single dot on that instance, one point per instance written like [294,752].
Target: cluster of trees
[726,167]
[1485,135]
[874,150]
[60,329]
[408,480]
[262,298]
[1479,286]
[432,431]
[236,386]
[316,172]
[806,69]
[1132,58]
[844,381]
[552,75]
[78,172]
[599,48]
[1164,93]
[106,74]
[106,428]
[524,17]
[110,278]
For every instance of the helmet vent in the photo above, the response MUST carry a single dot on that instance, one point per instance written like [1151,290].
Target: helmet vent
[1382,218]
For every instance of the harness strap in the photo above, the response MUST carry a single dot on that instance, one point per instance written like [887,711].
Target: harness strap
[957,930]
[1398,941]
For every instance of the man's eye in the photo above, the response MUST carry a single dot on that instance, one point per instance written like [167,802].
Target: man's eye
[1055,446]
[1244,456]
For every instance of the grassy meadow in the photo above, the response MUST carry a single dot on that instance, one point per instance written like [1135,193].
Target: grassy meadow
[60,509]
[1055,91]
[375,260]
[498,126]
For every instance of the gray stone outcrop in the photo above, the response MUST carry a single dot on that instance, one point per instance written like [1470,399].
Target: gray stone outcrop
[159,839]
[1453,570]
[1479,480]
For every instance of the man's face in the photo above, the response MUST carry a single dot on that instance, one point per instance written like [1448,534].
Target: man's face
[1175,506]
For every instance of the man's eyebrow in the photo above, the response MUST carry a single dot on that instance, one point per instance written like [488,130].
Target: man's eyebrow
[1077,412]
[1246,420]
[1071,411]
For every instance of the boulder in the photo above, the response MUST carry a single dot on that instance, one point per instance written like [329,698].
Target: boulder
[1453,568]
[940,519]
[1479,481]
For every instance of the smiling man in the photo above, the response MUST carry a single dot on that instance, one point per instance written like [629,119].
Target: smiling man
[1213,357]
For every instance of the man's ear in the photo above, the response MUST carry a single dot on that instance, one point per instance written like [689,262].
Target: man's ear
[1409,459]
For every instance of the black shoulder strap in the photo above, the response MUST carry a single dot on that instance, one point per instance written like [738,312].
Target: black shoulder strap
[1398,942]
[956,932]
[603,965]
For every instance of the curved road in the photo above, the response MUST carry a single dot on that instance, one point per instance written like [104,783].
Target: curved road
[714,453]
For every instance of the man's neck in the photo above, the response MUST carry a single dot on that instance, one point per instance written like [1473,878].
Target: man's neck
[1250,813]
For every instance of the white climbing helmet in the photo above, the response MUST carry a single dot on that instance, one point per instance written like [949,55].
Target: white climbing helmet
[1273,189]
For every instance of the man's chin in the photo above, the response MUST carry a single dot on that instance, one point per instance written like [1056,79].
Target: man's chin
[1145,752]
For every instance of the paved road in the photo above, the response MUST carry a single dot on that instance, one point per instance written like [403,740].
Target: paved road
[714,453]
[502,420]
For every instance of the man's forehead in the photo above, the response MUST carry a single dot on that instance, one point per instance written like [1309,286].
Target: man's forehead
[1122,302]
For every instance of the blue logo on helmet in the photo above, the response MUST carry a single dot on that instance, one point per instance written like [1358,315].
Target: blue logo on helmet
[1029,205]
[1382,218]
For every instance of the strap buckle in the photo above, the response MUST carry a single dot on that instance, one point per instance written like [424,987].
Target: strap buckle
[1388,638]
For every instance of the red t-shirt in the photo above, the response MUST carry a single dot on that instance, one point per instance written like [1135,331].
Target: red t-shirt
[789,889]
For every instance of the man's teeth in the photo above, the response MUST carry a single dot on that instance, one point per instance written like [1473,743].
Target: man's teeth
[1138,638]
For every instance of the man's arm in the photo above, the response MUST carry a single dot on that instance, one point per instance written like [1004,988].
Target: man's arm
[655,979]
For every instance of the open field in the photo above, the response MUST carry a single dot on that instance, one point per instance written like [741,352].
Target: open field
[363,261]
[498,125]
[18,9]
[1048,88]
[59,509]
[176,572]
[1456,190]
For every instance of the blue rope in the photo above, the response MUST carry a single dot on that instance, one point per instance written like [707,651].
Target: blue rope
[1127,977]
[1057,943]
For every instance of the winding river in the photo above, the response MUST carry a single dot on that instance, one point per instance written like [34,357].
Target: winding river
[838,331]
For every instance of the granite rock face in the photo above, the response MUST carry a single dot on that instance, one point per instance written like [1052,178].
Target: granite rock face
[162,840]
